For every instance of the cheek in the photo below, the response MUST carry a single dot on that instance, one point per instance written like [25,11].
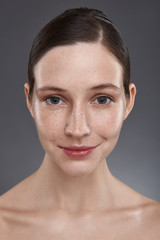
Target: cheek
[108,124]
[49,124]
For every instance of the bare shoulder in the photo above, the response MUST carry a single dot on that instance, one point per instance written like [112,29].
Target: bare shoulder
[15,208]
[18,195]
[151,213]
[2,224]
[150,219]
[15,201]
[146,215]
[4,210]
[143,212]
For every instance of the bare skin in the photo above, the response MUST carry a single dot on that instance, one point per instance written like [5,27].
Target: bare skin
[69,198]
[24,215]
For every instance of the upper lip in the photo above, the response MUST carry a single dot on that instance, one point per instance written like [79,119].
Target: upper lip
[79,147]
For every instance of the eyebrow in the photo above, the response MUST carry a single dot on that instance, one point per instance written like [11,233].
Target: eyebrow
[98,87]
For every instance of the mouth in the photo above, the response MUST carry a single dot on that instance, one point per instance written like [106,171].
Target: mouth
[78,152]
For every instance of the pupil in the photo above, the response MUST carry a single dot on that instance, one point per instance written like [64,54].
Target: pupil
[102,99]
[55,100]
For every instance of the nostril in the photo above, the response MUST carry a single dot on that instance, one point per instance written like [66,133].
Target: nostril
[78,123]
[77,128]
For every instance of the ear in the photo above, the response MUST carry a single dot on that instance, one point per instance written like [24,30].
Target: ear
[28,101]
[130,100]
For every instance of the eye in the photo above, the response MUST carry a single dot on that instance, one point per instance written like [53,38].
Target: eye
[103,100]
[53,100]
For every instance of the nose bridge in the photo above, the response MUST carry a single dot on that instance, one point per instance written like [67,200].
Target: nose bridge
[78,122]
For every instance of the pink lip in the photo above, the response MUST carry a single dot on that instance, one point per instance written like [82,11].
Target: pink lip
[78,152]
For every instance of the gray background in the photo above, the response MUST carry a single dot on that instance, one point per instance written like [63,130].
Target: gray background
[135,159]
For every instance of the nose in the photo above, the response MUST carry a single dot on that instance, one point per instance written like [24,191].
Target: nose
[77,125]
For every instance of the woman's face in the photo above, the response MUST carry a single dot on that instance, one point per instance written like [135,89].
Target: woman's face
[79,100]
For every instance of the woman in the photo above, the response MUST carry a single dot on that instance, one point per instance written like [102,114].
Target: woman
[78,94]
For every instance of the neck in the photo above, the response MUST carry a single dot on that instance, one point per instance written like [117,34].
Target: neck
[74,194]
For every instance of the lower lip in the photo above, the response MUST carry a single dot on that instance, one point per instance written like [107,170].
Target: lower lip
[78,154]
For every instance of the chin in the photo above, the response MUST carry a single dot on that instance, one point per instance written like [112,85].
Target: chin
[78,168]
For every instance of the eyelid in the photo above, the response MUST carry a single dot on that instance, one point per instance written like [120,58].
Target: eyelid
[104,95]
[53,96]
[63,100]
[108,101]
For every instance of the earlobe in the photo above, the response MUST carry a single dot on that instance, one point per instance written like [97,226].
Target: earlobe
[28,101]
[130,100]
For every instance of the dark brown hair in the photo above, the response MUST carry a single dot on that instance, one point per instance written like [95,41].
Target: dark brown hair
[79,25]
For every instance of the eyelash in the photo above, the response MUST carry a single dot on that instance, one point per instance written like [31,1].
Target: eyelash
[47,100]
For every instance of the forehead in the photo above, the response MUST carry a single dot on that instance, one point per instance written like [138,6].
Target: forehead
[83,64]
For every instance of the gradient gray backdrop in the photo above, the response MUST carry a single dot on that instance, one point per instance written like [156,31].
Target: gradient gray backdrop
[135,159]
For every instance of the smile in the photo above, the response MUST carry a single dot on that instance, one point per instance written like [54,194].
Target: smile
[78,152]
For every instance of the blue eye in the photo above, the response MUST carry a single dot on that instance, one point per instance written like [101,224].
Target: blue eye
[103,100]
[53,100]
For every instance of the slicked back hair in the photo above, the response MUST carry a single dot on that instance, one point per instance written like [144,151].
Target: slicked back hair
[79,25]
